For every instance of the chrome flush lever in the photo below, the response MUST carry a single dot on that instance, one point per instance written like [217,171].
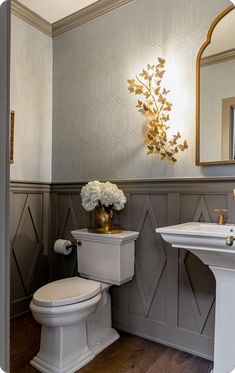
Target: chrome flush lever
[229,240]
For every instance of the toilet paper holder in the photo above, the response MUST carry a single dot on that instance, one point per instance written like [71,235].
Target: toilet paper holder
[73,245]
[65,247]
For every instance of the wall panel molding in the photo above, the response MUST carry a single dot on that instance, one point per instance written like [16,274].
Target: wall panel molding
[30,186]
[171,299]
[173,185]
[30,235]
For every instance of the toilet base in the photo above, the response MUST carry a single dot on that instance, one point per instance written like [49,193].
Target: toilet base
[43,366]
[67,348]
[106,340]
[100,333]
[63,349]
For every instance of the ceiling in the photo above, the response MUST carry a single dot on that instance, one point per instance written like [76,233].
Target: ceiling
[54,10]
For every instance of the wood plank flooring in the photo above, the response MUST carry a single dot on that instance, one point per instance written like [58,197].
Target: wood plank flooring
[130,354]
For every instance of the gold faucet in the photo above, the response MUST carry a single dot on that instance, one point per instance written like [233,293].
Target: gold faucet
[221,216]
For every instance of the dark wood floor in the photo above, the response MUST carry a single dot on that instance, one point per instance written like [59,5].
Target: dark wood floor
[130,354]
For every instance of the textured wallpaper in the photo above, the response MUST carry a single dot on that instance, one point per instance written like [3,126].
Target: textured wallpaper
[31,99]
[97,131]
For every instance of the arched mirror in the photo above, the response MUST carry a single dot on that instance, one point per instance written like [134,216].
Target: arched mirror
[215,137]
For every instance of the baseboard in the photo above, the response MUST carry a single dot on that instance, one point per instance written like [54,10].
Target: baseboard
[163,342]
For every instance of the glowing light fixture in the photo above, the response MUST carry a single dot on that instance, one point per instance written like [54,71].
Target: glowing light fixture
[155,107]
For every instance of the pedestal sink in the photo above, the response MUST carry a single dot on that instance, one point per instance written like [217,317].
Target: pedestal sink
[208,242]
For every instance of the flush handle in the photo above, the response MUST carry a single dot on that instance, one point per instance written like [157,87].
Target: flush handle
[229,240]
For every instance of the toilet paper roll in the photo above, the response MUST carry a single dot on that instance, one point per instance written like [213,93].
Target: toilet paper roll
[60,247]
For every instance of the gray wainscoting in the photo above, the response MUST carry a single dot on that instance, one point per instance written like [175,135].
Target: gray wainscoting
[29,232]
[172,297]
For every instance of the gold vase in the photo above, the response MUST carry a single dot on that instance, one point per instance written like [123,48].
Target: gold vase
[103,219]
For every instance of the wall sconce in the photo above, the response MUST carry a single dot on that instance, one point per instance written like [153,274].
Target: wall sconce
[155,107]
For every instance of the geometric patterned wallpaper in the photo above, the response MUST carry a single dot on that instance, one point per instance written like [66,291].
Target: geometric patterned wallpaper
[97,131]
[31,99]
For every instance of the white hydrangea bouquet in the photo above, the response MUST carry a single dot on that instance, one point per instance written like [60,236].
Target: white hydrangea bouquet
[103,198]
[106,194]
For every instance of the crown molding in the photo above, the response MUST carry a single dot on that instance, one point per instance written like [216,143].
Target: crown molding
[92,11]
[27,15]
[86,14]
[218,57]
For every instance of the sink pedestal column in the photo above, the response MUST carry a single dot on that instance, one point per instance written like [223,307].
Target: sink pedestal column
[208,242]
[224,352]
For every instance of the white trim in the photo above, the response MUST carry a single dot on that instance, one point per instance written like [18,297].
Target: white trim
[4,185]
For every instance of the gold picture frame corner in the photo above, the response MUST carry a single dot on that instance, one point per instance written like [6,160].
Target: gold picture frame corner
[11,136]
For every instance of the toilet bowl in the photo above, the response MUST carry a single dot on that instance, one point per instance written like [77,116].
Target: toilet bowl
[62,308]
[75,313]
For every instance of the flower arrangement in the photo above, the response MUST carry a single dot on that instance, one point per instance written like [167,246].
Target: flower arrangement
[156,107]
[106,194]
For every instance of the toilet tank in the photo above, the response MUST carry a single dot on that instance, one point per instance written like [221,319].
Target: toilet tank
[107,258]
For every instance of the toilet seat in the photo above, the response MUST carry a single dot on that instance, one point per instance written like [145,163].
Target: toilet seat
[66,292]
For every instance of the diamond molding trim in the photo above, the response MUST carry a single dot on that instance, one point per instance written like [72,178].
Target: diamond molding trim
[172,297]
[30,226]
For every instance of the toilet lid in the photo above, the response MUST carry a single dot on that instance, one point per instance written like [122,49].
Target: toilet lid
[67,291]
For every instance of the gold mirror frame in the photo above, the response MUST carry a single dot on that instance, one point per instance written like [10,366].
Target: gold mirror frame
[203,47]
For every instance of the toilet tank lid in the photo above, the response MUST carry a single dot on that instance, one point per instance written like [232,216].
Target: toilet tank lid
[119,238]
[66,291]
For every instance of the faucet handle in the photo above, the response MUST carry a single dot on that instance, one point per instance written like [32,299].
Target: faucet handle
[221,216]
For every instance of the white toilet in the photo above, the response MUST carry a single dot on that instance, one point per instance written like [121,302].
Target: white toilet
[75,313]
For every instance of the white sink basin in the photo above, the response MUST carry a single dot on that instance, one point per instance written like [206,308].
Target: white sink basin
[208,242]
[195,235]
[200,228]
